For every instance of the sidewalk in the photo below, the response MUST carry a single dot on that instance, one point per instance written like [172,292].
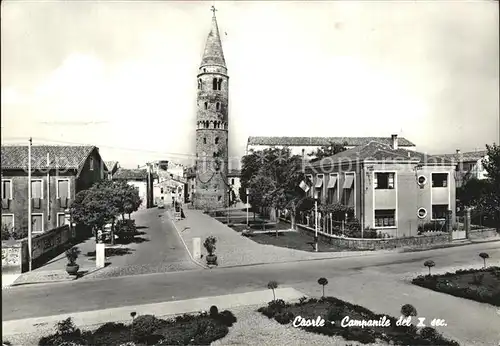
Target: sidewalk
[28,331]
[55,269]
[233,249]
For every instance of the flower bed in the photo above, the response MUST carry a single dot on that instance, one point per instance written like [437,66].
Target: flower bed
[482,285]
[336,310]
[147,330]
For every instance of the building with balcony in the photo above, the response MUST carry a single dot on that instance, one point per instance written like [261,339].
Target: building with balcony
[391,189]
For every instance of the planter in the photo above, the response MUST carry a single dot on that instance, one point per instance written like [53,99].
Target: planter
[211,260]
[72,269]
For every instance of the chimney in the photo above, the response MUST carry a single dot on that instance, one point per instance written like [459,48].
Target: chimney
[458,151]
[394,141]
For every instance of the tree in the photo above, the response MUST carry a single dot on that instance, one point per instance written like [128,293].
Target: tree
[126,197]
[273,176]
[272,285]
[327,151]
[484,256]
[323,282]
[100,204]
[429,264]
[472,192]
[490,202]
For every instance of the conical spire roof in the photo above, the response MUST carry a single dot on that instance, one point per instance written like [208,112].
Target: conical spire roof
[213,54]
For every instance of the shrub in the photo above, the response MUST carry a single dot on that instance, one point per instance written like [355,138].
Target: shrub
[185,318]
[144,326]
[302,299]
[477,279]
[125,228]
[408,310]
[227,318]
[214,311]
[335,313]
[284,317]
[66,332]
[111,333]
[430,334]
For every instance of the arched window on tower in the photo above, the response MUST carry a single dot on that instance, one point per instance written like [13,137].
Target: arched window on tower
[216,140]
[200,83]
[214,84]
[219,83]
[217,106]
[205,140]
[206,105]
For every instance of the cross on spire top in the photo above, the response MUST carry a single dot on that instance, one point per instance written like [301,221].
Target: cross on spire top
[213,9]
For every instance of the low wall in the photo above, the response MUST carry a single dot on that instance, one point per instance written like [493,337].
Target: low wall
[15,257]
[377,243]
[483,233]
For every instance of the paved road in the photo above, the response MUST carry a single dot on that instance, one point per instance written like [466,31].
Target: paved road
[159,249]
[49,299]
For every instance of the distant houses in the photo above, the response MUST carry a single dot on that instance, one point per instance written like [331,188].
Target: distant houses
[58,174]
[298,145]
[140,179]
[468,165]
[110,168]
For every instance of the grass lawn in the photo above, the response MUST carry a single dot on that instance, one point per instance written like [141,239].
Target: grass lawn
[147,330]
[293,240]
[482,285]
[382,327]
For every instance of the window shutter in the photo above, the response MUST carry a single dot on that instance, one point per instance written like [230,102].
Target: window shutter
[375,180]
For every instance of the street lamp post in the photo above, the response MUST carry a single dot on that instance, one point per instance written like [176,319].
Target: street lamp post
[316,221]
[248,192]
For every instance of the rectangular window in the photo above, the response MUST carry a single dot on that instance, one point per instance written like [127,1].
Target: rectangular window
[384,181]
[439,179]
[348,190]
[63,188]
[61,219]
[385,218]
[6,189]
[36,188]
[91,164]
[8,221]
[37,223]
[318,187]
[232,181]
[439,211]
[332,188]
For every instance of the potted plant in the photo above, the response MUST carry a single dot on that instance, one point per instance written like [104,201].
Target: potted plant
[209,245]
[71,267]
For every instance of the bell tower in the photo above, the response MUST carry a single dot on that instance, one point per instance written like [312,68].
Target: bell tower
[212,125]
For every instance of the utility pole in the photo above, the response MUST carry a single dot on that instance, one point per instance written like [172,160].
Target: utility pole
[248,193]
[30,221]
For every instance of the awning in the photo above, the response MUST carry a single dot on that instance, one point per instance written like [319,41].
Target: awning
[319,182]
[332,182]
[349,179]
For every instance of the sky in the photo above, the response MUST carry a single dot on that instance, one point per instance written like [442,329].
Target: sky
[122,75]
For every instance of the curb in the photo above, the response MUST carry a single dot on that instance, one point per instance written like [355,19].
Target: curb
[470,242]
[183,242]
